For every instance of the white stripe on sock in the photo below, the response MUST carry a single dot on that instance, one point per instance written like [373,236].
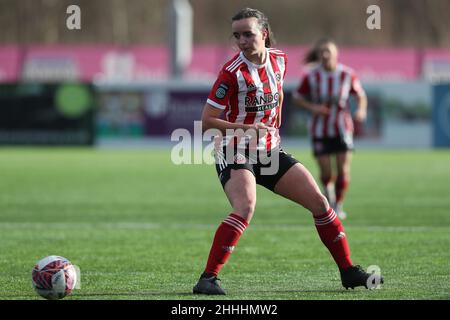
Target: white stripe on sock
[326,220]
[234,225]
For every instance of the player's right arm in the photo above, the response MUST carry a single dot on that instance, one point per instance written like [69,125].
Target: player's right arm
[314,108]
[211,120]
[224,89]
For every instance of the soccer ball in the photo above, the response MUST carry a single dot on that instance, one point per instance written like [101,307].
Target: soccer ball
[54,277]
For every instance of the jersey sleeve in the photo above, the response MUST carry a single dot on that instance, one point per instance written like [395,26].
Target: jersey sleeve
[303,90]
[285,65]
[356,87]
[222,90]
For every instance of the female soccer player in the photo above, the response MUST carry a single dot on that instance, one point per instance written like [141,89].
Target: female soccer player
[325,92]
[245,104]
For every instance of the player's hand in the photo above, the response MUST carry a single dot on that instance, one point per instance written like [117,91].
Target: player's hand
[360,115]
[260,129]
[320,109]
[257,131]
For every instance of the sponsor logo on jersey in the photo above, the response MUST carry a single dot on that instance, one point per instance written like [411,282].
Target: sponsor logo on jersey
[261,103]
[221,91]
[251,87]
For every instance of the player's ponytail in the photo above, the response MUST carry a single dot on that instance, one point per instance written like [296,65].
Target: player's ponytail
[263,22]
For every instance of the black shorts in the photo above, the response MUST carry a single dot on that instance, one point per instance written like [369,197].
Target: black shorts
[324,146]
[267,168]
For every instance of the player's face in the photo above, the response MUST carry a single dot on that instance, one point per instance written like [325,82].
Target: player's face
[248,36]
[328,55]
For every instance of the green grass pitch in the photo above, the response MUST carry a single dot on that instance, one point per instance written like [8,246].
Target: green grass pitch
[140,227]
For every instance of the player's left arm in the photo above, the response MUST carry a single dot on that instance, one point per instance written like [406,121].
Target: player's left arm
[278,124]
[361,111]
[281,106]
[361,100]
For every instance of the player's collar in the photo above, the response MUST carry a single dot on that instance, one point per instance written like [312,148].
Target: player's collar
[257,66]
[338,68]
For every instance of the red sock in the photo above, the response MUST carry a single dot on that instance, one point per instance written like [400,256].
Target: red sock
[341,187]
[326,180]
[333,237]
[226,238]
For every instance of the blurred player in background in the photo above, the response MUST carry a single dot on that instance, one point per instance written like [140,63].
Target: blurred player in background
[325,91]
[248,95]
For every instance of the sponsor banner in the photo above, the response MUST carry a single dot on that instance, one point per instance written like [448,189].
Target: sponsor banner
[436,65]
[148,112]
[441,115]
[127,111]
[9,63]
[120,114]
[49,114]
[109,63]
[182,109]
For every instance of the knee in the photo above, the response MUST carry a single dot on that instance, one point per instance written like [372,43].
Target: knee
[343,177]
[343,172]
[245,208]
[320,205]
[325,178]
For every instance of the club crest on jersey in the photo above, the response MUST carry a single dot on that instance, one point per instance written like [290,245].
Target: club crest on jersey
[221,91]
[251,87]
[278,76]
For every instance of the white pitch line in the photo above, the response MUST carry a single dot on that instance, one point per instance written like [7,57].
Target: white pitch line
[187,226]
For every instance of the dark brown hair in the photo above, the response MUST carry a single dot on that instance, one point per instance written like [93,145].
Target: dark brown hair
[263,22]
[313,54]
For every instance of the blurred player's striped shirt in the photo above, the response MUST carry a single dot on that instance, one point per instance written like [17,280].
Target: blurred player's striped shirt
[332,89]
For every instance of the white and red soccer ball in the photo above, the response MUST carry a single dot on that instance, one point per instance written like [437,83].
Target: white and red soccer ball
[54,277]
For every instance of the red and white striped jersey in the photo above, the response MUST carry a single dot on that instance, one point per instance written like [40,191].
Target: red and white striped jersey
[332,89]
[250,93]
